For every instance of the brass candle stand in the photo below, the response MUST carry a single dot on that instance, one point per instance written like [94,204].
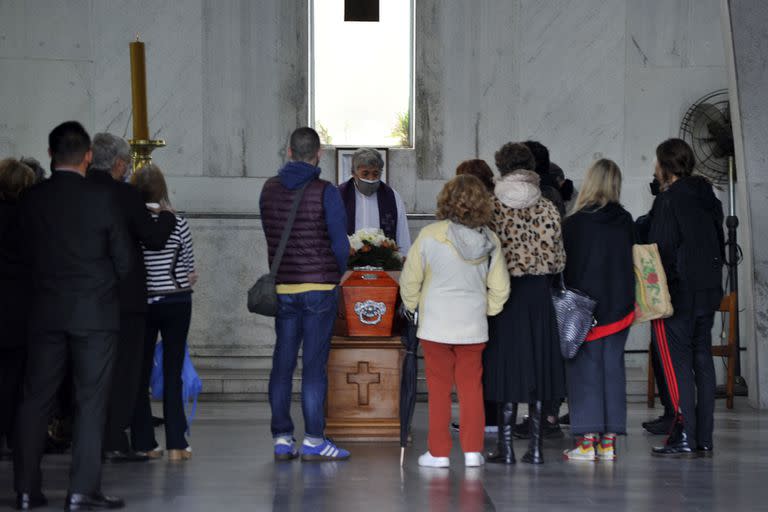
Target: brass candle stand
[141,151]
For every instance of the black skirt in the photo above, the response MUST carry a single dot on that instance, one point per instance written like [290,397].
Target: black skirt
[522,361]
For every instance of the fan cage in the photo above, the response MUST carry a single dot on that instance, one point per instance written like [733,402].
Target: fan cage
[707,164]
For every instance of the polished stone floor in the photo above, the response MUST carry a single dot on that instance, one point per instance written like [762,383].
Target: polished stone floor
[232,469]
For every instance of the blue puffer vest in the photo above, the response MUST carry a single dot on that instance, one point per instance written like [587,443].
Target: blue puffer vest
[308,256]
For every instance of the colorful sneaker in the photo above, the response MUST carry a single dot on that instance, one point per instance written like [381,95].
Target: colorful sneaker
[285,448]
[473,459]
[325,451]
[585,449]
[427,460]
[606,450]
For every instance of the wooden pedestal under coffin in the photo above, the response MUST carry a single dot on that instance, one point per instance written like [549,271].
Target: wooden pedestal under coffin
[364,389]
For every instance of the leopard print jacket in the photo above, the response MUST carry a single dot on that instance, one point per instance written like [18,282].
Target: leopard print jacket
[531,238]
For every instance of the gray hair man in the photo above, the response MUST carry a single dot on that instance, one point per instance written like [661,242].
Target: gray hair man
[371,203]
[112,154]
[111,166]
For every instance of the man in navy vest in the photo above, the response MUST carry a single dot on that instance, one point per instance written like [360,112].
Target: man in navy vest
[307,286]
[370,203]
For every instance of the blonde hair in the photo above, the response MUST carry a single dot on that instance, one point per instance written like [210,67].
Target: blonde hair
[15,177]
[151,183]
[601,186]
[465,200]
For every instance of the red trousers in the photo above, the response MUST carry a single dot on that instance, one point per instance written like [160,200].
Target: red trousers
[447,365]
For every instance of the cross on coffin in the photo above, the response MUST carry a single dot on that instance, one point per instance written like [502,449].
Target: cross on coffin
[363,378]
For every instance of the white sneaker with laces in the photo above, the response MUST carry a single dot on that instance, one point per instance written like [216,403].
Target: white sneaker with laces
[473,459]
[429,461]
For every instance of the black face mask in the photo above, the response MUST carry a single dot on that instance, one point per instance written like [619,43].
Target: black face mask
[655,187]
[566,190]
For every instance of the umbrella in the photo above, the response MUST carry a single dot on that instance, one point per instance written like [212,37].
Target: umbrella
[408,380]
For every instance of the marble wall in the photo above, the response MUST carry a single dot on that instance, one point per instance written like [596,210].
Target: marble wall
[227,82]
[749,76]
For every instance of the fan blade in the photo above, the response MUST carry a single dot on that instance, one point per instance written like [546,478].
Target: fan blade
[702,116]
[723,136]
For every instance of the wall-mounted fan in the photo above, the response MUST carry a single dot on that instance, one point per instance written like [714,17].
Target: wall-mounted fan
[706,127]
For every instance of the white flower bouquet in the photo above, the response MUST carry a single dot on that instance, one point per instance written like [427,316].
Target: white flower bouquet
[370,248]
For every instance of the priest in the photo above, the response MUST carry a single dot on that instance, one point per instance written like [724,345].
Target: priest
[371,203]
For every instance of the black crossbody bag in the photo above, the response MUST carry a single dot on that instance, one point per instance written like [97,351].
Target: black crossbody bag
[262,297]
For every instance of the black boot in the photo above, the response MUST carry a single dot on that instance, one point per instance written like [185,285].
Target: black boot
[504,454]
[534,454]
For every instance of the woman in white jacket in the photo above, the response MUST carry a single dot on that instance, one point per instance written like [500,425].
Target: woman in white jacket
[456,276]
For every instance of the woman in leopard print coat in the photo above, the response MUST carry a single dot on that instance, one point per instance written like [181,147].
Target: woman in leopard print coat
[522,361]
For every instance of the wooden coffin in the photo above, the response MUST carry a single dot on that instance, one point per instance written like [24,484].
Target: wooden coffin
[368,301]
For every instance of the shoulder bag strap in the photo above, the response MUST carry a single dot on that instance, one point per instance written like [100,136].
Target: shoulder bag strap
[287,229]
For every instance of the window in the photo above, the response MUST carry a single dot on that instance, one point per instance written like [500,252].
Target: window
[361,75]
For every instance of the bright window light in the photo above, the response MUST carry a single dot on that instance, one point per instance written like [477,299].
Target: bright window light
[361,75]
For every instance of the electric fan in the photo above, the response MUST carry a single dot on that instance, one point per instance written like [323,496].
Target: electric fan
[706,127]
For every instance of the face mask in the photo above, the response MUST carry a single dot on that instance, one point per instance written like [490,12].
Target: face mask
[655,187]
[566,190]
[367,187]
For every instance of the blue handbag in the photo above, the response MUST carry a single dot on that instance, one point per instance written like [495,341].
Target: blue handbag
[191,385]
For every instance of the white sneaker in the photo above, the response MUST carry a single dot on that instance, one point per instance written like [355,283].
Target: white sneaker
[584,450]
[428,461]
[473,459]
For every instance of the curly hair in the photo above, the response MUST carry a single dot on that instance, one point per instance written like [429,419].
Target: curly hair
[514,156]
[479,169]
[465,200]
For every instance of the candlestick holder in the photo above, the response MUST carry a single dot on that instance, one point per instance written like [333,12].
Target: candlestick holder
[141,151]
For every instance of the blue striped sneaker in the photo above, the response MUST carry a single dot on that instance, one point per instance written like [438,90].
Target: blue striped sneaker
[285,449]
[323,452]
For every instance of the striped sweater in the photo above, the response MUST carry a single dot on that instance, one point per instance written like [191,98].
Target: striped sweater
[168,269]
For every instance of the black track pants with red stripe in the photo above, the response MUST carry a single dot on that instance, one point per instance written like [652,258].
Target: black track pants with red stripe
[684,342]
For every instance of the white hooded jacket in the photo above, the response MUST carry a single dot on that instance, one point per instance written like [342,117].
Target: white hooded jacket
[456,276]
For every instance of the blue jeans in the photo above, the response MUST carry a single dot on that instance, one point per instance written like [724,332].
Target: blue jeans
[307,316]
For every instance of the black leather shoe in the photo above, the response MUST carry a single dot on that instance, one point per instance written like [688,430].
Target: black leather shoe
[95,501]
[30,500]
[118,457]
[676,448]
[705,450]
[660,426]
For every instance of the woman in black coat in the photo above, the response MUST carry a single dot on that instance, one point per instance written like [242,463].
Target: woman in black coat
[598,238]
[15,177]
[687,226]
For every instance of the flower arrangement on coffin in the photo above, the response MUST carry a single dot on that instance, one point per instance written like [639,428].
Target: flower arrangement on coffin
[370,248]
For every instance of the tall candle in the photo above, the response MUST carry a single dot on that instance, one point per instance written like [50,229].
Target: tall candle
[139,91]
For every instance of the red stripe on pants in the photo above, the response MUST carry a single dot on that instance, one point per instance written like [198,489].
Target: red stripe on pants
[463,365]
[666,359]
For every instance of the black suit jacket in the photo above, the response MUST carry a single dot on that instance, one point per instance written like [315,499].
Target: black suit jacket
[142,229]
[77,247]
[14,285]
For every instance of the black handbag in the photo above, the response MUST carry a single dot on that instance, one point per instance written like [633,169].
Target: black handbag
[262,297]
[575,312]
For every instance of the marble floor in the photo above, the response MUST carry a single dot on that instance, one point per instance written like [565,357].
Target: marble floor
[232,469]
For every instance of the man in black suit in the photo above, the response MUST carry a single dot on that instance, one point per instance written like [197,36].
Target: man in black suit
[77,249]
[110,166]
